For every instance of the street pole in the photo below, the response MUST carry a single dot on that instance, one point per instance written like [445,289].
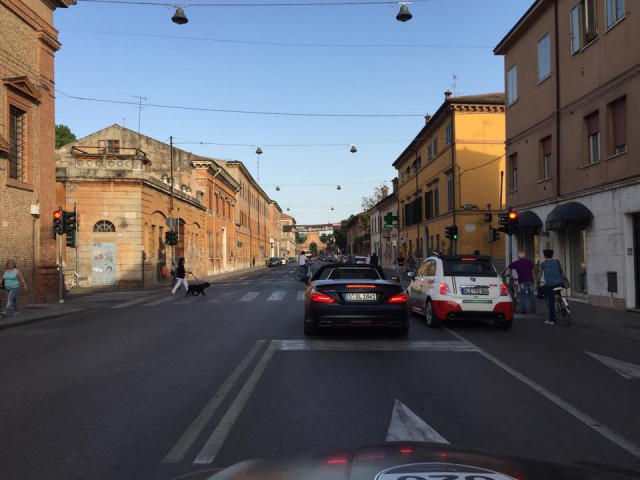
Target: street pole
[171,195]
[60,275]
[77,239]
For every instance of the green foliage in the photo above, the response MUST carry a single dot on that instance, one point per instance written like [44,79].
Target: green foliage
[313,248]
[64,135]
[301,238]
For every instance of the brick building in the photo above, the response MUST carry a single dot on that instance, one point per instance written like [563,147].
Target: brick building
[28,42]
[121,182]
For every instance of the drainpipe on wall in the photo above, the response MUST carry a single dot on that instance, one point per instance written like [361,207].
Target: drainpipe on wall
[453,173]
[557,65]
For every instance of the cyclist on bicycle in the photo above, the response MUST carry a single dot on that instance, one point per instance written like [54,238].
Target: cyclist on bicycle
[552,271]
[304,263]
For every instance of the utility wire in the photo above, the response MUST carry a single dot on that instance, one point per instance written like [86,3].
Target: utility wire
[283,44]
[273,4]
[287,145]
[244,112]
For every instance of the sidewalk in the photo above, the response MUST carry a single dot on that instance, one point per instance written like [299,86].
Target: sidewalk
[72,302]
[623,324]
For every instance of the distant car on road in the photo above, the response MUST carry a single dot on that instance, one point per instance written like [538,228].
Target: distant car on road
[347,295]
[274,262]
[451,287]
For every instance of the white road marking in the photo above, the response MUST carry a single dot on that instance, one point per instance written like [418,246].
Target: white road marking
[375,345]
[159,302]
[591,422]
[247,297]
[187,439]
[215,442]
[132,302]
[407,426]
[241,278]
[622,368]
[300,296]
[220,296]
[276,296]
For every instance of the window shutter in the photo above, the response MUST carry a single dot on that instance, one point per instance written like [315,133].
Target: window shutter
[619,114]
[593,124]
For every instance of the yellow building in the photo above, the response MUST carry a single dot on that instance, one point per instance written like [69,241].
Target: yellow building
[450,175]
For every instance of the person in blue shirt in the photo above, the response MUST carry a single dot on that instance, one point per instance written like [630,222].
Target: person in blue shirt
[12,279]
[552,271]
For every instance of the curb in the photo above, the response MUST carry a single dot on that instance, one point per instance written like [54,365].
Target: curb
[47,316]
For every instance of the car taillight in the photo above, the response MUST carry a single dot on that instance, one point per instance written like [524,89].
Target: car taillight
[503,290]
[444,289]
[401,298]
[321,298]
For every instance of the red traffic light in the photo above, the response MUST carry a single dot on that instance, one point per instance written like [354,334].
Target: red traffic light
[513,215]
[57,214]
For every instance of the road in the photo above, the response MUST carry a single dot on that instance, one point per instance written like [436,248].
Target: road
[158,387]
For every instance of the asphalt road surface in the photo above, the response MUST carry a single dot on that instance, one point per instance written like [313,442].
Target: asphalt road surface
[159,387]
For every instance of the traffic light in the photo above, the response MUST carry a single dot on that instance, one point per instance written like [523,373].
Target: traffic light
[513,222]
[451,232]
[171,238]
[503,222]
[495,235]
[58,222]
[69,222]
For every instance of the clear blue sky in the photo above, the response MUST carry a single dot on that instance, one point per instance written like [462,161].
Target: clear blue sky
[138,54]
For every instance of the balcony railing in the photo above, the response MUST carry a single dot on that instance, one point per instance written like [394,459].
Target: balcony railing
[106,151]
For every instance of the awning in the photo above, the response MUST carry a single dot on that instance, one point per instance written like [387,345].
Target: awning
[529,222]
[569,216]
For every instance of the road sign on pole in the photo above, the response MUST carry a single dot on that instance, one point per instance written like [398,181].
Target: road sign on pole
[170,222]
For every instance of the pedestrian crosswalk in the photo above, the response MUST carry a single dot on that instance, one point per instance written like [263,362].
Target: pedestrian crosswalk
[210,298]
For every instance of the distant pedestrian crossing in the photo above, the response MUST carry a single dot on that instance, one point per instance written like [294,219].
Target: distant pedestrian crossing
[210,298]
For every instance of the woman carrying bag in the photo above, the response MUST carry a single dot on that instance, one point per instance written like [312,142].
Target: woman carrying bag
[11,280]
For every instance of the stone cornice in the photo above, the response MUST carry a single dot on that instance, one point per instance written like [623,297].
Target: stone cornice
[23,86]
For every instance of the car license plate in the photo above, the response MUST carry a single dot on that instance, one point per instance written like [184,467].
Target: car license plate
[475,290]
[360,297]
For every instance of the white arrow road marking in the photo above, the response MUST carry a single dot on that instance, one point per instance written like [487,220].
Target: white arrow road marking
[249,296]
[406,425]
[185,442]
[591,422]
[276,296]
[300,296]
[624,369]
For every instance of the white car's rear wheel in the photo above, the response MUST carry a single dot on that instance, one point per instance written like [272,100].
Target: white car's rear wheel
[432,320]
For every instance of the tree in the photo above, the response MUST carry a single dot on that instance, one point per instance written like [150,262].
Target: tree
[313,248]
[340,234]
[301,238]
[64,135]
[367,204]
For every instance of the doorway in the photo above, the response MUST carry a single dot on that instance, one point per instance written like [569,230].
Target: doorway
[636,257]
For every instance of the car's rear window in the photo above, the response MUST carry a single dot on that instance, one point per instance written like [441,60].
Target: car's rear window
[348,274]
[460,268]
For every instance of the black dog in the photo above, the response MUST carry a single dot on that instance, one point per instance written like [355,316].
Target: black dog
[197,289]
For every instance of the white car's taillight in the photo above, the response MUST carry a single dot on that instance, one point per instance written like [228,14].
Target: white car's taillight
[444,289]
[503,291]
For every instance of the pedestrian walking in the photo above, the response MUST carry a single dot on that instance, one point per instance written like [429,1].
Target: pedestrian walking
[12,279]
[411,263]
[524,269]
[400,262]
[552,271]
[374,259]
[181,274]
[367,260]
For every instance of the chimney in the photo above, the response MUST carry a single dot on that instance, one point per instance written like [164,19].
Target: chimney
[385,191]
[427,117]
[447,94]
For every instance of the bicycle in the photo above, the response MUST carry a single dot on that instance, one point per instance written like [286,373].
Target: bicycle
[563,311]
[302,272]
[512,287]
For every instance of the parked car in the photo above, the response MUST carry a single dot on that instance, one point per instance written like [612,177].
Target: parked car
[347,295]
[274,262]
[451,287]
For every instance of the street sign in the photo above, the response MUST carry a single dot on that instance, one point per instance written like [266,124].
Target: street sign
[390,219]
[171,222]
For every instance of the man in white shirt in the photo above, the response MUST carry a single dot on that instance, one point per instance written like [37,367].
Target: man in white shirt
[303,261]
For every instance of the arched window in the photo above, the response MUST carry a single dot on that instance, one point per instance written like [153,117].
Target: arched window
[104,226]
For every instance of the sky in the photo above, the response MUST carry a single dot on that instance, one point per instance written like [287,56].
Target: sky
[333,60]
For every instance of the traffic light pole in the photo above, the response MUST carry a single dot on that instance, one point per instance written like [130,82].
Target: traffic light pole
[60,274]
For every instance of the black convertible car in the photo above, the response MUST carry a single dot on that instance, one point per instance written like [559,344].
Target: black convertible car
[354,295]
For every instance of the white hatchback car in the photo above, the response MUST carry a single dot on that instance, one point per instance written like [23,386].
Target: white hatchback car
[450,287]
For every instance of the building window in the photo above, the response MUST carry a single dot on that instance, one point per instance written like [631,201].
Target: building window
[418,163]
[436,200]
[584,24]
[545,158]
[513,172]
[407,173]
[428,204]
[449,192]
[435,147]
[615,11]
[593,137]
[429,153]
[449,134]
[544,57]
[512,84]
[104,226]
[17,138]
[618,116]
[109,146]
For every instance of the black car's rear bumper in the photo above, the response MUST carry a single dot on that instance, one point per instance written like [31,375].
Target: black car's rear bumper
[337,315]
